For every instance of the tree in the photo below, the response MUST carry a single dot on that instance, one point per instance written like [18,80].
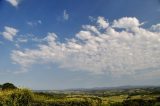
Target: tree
[8,86]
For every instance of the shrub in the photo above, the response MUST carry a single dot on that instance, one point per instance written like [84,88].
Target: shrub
[16,97]
[21,98]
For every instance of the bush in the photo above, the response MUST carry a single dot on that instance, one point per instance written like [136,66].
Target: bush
[21,98]
[16,98]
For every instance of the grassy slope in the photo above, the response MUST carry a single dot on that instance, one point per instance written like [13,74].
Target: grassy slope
[24,97]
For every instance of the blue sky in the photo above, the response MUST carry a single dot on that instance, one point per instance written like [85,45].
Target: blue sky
[59,44]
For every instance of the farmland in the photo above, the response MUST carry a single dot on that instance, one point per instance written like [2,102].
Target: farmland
[127,96]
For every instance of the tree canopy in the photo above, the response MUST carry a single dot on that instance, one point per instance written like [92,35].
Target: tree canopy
[8,86]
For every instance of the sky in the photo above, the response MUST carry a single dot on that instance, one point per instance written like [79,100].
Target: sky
[61,44]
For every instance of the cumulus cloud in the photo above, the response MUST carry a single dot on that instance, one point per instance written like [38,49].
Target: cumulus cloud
[99,49]
[9,33]
[14,3]
[126,22]
[156,28]
[102,22]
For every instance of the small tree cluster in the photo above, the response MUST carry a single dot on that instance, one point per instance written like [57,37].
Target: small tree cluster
[8,86]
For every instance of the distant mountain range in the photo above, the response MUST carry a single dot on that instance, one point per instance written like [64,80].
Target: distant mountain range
[101,88]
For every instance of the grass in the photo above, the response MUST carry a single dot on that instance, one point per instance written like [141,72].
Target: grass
[25,97]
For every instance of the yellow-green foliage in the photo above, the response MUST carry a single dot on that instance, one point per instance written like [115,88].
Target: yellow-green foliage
[18,97]
[24,97]
[113,99]
[40,100]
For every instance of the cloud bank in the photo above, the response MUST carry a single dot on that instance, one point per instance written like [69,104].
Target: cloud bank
[117,48]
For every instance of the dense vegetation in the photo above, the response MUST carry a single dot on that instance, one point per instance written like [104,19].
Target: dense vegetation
[7,86]
[13,96]
[24,97]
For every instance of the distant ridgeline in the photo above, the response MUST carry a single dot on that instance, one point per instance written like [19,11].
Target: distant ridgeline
[7,86]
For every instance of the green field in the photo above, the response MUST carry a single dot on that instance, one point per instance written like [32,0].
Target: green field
[106,97]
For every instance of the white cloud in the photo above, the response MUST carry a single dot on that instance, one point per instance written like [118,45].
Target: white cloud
[35,23]
[14,3]
[99,51]
[30,23]
[91,28]
[51,37]
[126,22]
[65,15]
[9,33]
[22,40]
[102,23]
[155,28]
